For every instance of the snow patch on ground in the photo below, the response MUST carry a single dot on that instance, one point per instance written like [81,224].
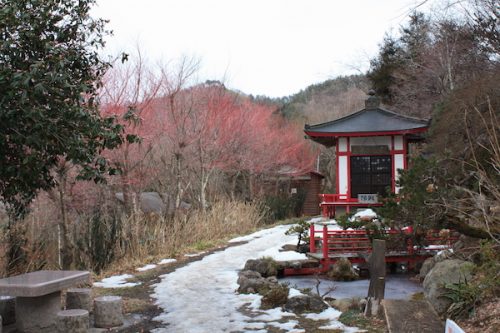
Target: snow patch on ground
[274,315]
[329,313]
[315,219]
[332,315]
[117,281]
[190,255]
[146,268]
[294,292]
[166,261]
[250,237]
[275,253]
[289,326]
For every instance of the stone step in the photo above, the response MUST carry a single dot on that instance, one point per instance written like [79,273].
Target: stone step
[404,316]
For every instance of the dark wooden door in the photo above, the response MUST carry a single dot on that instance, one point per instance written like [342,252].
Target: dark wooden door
[370,175]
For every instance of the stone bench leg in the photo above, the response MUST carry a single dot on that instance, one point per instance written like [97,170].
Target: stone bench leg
[38,314]
[8,309]
[74,321]
[108,311]
[79,298]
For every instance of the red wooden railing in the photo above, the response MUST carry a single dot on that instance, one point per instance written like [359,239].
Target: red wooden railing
[333,242]
[329,202]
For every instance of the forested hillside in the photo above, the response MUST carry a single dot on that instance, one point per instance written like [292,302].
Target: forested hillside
[322,101]
[448,69]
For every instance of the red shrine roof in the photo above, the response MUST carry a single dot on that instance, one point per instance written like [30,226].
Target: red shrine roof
[372,120]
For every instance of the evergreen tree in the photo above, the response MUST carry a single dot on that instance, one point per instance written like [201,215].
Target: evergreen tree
[49,76]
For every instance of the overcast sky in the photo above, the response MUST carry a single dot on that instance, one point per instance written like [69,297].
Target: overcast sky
[261,47]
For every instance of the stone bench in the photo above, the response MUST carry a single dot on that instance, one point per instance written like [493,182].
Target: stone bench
[38,297]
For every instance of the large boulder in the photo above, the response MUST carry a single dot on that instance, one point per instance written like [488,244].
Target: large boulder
[427,266]
[265,266]
[445,272]
[252,282]
[343,271]
[305,303]
[153,202]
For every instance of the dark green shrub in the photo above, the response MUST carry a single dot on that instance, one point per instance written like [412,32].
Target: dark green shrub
[275,297]
[301,229]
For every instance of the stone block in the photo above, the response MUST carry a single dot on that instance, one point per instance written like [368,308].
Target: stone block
[8,309]
[108,311]
[79,298]
[74,321]
[38,314]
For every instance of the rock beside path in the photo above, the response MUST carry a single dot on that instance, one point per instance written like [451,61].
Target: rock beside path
[265,266]
[342,270]
[253,282]
[445,272]
[306,303]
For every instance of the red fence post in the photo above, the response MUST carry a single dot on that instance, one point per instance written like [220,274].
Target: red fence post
[325,242]
[312,240]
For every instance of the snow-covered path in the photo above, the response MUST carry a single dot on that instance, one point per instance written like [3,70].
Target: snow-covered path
[200,297]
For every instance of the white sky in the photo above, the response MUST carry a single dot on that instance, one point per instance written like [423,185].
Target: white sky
[260,47]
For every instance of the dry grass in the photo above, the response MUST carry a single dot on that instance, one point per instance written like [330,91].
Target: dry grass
[156,237]
[112,243]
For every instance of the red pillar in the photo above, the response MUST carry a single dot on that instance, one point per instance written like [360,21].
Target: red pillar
[325,242]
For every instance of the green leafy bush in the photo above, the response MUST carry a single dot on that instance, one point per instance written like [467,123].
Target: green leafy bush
[464,296]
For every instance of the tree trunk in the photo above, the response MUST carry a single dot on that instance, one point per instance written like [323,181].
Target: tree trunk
[178,185]
[66,244]
[250,187]
[127,197]
[468,230]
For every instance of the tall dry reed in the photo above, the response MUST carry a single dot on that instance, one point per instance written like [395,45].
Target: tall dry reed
[107,239]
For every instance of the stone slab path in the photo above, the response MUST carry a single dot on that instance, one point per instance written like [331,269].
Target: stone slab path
[404,316]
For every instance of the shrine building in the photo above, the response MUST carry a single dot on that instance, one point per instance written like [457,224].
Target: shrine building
[371,147]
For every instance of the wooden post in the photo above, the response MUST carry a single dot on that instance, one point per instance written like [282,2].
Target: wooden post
[312,240]
[376,290]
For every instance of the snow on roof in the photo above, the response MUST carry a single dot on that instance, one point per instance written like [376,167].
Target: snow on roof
[366,213]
